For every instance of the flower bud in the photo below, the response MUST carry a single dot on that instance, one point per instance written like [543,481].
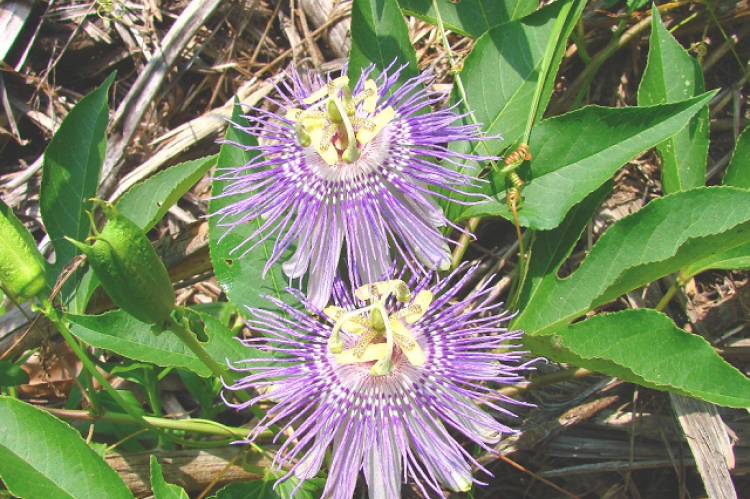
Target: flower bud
[129,269]
[21,265]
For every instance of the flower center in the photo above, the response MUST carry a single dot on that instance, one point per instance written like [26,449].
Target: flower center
[329,123]
[379,331]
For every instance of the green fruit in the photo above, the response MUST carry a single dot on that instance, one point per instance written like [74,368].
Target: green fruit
[21,265]
[129,269]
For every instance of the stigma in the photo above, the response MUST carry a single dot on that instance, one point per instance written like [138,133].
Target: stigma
[379,332]
[330,124]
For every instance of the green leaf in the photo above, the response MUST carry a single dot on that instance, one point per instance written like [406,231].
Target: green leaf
[162,489]
[559,44]
[502,73]
[738,175]
[671,75]
[380,36]
[148,202]
[645,347]
[550,248]
[634,5]
[517,51]
[264,489]
[575,153]
[733,259]
[738,170]
[242,278]
[201,389]
[469,17]
[124,335]
[42,457]
[666,235]
[12,375]
[70,176]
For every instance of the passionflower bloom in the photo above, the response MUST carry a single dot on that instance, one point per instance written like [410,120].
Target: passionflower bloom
[349,165]
[382,382]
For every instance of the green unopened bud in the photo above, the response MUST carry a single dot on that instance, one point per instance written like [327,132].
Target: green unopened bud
[21,264]
[129,269]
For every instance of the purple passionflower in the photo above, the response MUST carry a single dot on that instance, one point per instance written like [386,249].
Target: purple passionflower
[350,165]
[382,382]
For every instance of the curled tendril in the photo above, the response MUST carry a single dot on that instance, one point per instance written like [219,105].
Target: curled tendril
[511,163]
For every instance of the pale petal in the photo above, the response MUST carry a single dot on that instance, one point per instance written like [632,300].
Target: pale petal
[323,267]
[408,344]
[296,266]
[383,472]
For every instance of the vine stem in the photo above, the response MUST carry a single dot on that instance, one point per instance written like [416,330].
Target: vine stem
[189,339]
[54,316]
[203,426]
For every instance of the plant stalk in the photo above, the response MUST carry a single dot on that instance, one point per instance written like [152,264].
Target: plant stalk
[203,426]
[54,316]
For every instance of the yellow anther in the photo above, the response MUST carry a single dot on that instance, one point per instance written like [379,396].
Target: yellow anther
[335,343]
[408,344]
[329,90]
[293,114]
[364,342]
[354,325]
[373,352]
[362,123]
[410,310]
[375,290]
[327,137]
[421,303]
[384,117]
[337,313]
[329,154]
[370,96]
[309,118]
[380,326]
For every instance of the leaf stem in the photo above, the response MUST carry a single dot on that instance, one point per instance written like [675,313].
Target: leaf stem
[91,396]
[677,284]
